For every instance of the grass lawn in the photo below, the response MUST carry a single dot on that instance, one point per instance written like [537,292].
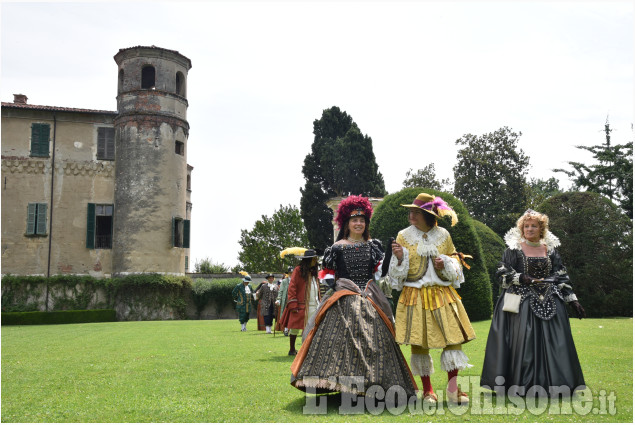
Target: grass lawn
[208,371]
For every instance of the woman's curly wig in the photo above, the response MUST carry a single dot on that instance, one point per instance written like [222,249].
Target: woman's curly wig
[542,219]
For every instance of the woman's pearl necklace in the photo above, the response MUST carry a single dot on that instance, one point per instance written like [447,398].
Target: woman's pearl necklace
[534,244]
[355,240]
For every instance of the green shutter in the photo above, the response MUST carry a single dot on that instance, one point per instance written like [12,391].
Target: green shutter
[186,233]
[112,224]
[30,219]
[101,143]
[110,143]
[40,139]
[40,227]
[90,227]
[173,231]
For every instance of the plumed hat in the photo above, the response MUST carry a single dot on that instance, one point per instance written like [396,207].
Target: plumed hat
[298,252]
[434,205]
[353,206]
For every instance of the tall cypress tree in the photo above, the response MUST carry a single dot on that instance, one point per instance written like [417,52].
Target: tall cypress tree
[341,163]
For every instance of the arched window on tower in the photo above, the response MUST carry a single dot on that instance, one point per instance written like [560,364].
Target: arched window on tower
[147,77]
[180,84]
[120,87]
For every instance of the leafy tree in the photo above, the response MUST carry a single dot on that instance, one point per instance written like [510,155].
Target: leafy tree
[262,245]
[539,190]
[207,266]
[425,177]
[611,176]
[341,163]
[493,248]
[390,217]
[597,249]
[489,177]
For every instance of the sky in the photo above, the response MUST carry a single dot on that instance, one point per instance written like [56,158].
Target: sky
[415,76]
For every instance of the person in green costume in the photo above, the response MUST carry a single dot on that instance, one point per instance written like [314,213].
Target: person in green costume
[243,295]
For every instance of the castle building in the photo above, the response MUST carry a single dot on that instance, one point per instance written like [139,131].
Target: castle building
[101,193]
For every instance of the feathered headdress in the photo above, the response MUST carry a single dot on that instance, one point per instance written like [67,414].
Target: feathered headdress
[354,205]
[244,273]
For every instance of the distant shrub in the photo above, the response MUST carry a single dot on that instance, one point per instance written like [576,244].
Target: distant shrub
[57,317]
[215,291]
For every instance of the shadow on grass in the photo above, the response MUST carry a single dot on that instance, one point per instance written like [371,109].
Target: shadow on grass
[283,358]
[297,406]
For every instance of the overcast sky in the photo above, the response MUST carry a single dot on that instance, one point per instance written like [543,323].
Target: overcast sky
[415,76]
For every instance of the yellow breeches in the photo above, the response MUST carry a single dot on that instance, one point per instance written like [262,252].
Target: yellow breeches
[432,317]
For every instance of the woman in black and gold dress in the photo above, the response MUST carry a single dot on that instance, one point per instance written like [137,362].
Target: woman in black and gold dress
[530,340]
[352,333]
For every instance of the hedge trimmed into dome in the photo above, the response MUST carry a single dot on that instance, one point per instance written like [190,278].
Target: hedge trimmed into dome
[493,247]
[390,217]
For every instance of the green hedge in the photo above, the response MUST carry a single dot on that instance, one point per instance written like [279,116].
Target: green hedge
[216,291]
[493,247]
[390,217]
[142,294]
[56,317]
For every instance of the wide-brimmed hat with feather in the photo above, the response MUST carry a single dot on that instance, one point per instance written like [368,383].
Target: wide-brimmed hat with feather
[434,205]
[298,252]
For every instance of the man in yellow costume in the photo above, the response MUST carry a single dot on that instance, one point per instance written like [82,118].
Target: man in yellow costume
[430,313]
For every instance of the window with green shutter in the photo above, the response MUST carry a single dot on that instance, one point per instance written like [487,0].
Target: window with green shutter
[99,225]
[40,139]
[186,233]
[36,219]
[106,143]
[180,232]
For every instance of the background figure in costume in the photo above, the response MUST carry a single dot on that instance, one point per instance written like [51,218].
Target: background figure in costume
[241,295]
[267,295]
[430,313]
[304,297]
[281,300]
[351,334]
[530,341]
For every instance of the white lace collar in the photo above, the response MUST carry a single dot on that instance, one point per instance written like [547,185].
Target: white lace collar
[426,242]
[513,239]
[413,235]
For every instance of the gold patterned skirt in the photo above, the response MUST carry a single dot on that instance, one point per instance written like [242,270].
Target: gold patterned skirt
[432,317]
[351,337]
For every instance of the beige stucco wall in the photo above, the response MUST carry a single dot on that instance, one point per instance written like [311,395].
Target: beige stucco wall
[79,179]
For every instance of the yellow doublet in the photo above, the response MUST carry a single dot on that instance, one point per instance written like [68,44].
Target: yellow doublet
[430,313]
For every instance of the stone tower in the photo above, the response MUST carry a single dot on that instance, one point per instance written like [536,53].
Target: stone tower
[150,230]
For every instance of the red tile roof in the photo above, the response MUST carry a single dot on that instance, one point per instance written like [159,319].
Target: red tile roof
[53,108]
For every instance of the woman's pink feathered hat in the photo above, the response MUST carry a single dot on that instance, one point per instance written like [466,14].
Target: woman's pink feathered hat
[353,206]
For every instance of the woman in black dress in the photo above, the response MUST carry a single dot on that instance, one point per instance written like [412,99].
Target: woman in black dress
[530,342]
[352,333]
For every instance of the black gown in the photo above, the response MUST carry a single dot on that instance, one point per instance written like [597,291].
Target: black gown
[351,334]
[535,345]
